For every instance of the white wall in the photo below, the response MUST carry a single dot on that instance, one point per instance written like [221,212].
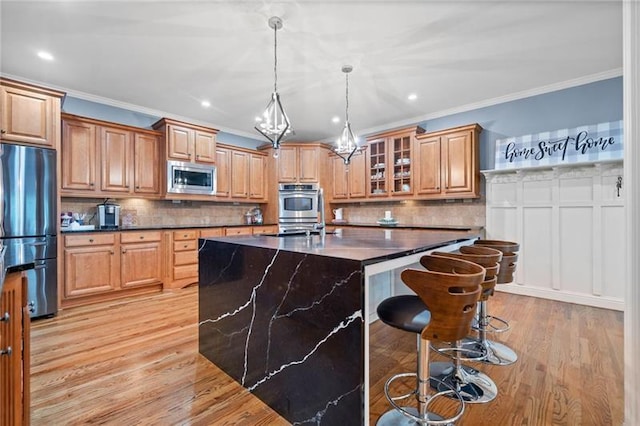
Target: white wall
[569,221]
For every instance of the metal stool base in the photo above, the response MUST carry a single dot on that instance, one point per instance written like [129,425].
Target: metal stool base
[497,353]
[473,386]
[396,418]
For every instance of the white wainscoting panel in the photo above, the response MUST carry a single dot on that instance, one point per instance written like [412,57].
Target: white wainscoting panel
[569,221]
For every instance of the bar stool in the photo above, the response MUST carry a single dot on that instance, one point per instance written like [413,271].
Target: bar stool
[474,386]
[443,309]
[496,353]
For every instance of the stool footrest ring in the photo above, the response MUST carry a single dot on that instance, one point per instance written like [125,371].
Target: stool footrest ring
[497,353]
[409,412]
[488,324]
[472,354]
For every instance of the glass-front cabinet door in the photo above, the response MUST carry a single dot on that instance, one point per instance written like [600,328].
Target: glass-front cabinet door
[377,165]
[390,163]
[401,160]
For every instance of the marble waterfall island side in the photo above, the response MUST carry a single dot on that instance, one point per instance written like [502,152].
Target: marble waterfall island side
[285,317]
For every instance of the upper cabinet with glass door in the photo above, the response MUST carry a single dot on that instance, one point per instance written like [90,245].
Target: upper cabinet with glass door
[389,163]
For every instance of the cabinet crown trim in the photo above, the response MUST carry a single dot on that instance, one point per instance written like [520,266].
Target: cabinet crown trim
[71,117]
[34,88]
[387,133]
[470,127]
[168,121]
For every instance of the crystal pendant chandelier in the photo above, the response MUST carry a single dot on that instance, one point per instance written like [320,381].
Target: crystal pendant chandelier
[347,144]
[274,123]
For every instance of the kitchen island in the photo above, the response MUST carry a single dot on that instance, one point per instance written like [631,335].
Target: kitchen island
[287,317]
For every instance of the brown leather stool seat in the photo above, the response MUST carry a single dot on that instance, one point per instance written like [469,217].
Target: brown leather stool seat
[443,309]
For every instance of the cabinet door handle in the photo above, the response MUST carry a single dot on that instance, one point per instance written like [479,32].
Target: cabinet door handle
[91,184]
[3,131]
[137,187]
[112,252]
[5,317]
[7,351]
[124,250]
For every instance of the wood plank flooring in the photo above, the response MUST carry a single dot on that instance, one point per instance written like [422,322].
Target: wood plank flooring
[136,362]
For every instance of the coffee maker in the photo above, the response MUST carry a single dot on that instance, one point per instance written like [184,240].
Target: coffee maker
[108,215]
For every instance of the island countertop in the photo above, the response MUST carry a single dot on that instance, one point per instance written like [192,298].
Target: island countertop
[368,245]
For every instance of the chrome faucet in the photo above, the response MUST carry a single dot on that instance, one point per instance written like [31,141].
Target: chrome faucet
[320,226]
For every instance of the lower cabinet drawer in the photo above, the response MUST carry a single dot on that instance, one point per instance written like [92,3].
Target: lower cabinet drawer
[186,258]
[238,231]
[186,271]
[185,245]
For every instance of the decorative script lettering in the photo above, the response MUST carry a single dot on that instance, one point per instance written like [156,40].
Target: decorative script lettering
[581,143]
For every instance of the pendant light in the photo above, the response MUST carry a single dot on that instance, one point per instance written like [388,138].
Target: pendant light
[274,124]
[347,144]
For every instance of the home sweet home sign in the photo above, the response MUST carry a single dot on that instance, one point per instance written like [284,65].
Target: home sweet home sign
[596,142]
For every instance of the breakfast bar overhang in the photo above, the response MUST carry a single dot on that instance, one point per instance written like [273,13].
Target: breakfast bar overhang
[287,317]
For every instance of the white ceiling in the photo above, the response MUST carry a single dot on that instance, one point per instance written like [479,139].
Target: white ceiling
[165,57]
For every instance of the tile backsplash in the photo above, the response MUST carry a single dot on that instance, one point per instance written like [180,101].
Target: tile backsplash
[162,212]
[431,213]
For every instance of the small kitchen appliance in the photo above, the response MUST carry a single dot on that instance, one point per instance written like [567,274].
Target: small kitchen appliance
[108,215]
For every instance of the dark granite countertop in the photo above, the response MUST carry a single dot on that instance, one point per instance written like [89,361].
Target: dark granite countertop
[366,245]
[407,226]
[155,227]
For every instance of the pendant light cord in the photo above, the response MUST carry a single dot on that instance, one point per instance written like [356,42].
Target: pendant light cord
[275,58]
[346,112]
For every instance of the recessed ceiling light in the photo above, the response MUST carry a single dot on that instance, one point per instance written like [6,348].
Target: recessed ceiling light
[45,55]
[335,120]
[412,97]
[205,104]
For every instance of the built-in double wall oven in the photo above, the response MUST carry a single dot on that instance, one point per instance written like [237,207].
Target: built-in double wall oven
[297,206]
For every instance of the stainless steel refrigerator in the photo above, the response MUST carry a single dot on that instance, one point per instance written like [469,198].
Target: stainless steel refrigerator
[28,220]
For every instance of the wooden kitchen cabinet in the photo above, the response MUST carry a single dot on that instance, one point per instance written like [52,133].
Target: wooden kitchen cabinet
[356,175]
[78,157]
[389,163]
[238,230]
[102,159]
[223,172]
[188,142]
[340,182]
[91,264]
[240,173]
[448,163]
[15,346]
[140,258]
[300,163]
[115,154]
[29,114]
[146,164]
[100,266]
[257,175]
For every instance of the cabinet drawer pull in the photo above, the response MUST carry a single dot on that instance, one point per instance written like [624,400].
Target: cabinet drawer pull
[185,235]
[142,237]
[90,240]
[3,131]
[91,184]
[7,351]
[185,246]
[5,317]
[137,187]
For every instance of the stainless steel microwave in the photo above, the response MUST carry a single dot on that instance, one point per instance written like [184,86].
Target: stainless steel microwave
[191,178]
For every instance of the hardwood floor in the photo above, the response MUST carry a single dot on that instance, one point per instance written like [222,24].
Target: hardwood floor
[136,361]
